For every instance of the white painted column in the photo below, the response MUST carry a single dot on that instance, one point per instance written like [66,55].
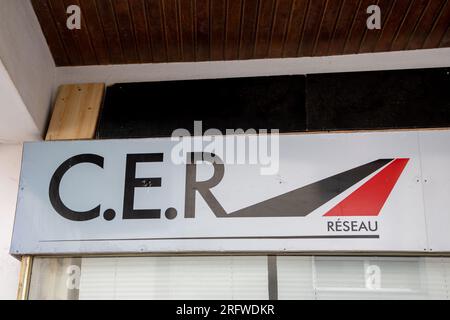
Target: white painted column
[10,160]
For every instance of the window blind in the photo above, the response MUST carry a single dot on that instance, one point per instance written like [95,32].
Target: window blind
[241,277]
[224,277]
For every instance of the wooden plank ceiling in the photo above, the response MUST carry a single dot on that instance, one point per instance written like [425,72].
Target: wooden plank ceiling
[143,31]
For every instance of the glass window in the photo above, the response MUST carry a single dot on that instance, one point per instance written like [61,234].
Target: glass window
[187,277]
[241,277]
[363,278]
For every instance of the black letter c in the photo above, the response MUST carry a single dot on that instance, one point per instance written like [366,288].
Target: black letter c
[55,197]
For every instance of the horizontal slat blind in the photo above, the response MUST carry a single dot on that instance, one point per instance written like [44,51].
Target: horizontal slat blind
[174,278]
[241,277]
[363,278]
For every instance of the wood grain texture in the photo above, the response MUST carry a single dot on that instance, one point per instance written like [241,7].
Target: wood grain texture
[328,24]
[249,21]
[295,29]
[233,29]
[371,38]
[343,27]
[172,29]
[409,24]
[359,29]
[153,31]
[218,14]
[279,28]
[187,38]
[106,14]
[126,30]
[93,26]
[24,277]
[76,112]
[50,30]
[440,26]
[264,28]
[82,38]
[312,27]
[202,29]
[140,24]
[68,38]
[425,24]
[156,28]
[393,24]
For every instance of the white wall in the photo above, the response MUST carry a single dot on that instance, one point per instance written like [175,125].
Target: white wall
[10,158]
[27,74]
[16,123]
[413,59]
[27,59]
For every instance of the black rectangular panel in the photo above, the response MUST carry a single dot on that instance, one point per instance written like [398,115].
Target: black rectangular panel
[378,100]
[155,109]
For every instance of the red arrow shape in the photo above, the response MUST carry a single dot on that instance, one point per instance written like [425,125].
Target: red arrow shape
[369,198]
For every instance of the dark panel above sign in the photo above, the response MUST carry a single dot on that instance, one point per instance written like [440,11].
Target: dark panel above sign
[155,109]
[379,100]
[341,101]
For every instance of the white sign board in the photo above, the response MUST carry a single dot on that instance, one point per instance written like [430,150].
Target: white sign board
[373,192]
